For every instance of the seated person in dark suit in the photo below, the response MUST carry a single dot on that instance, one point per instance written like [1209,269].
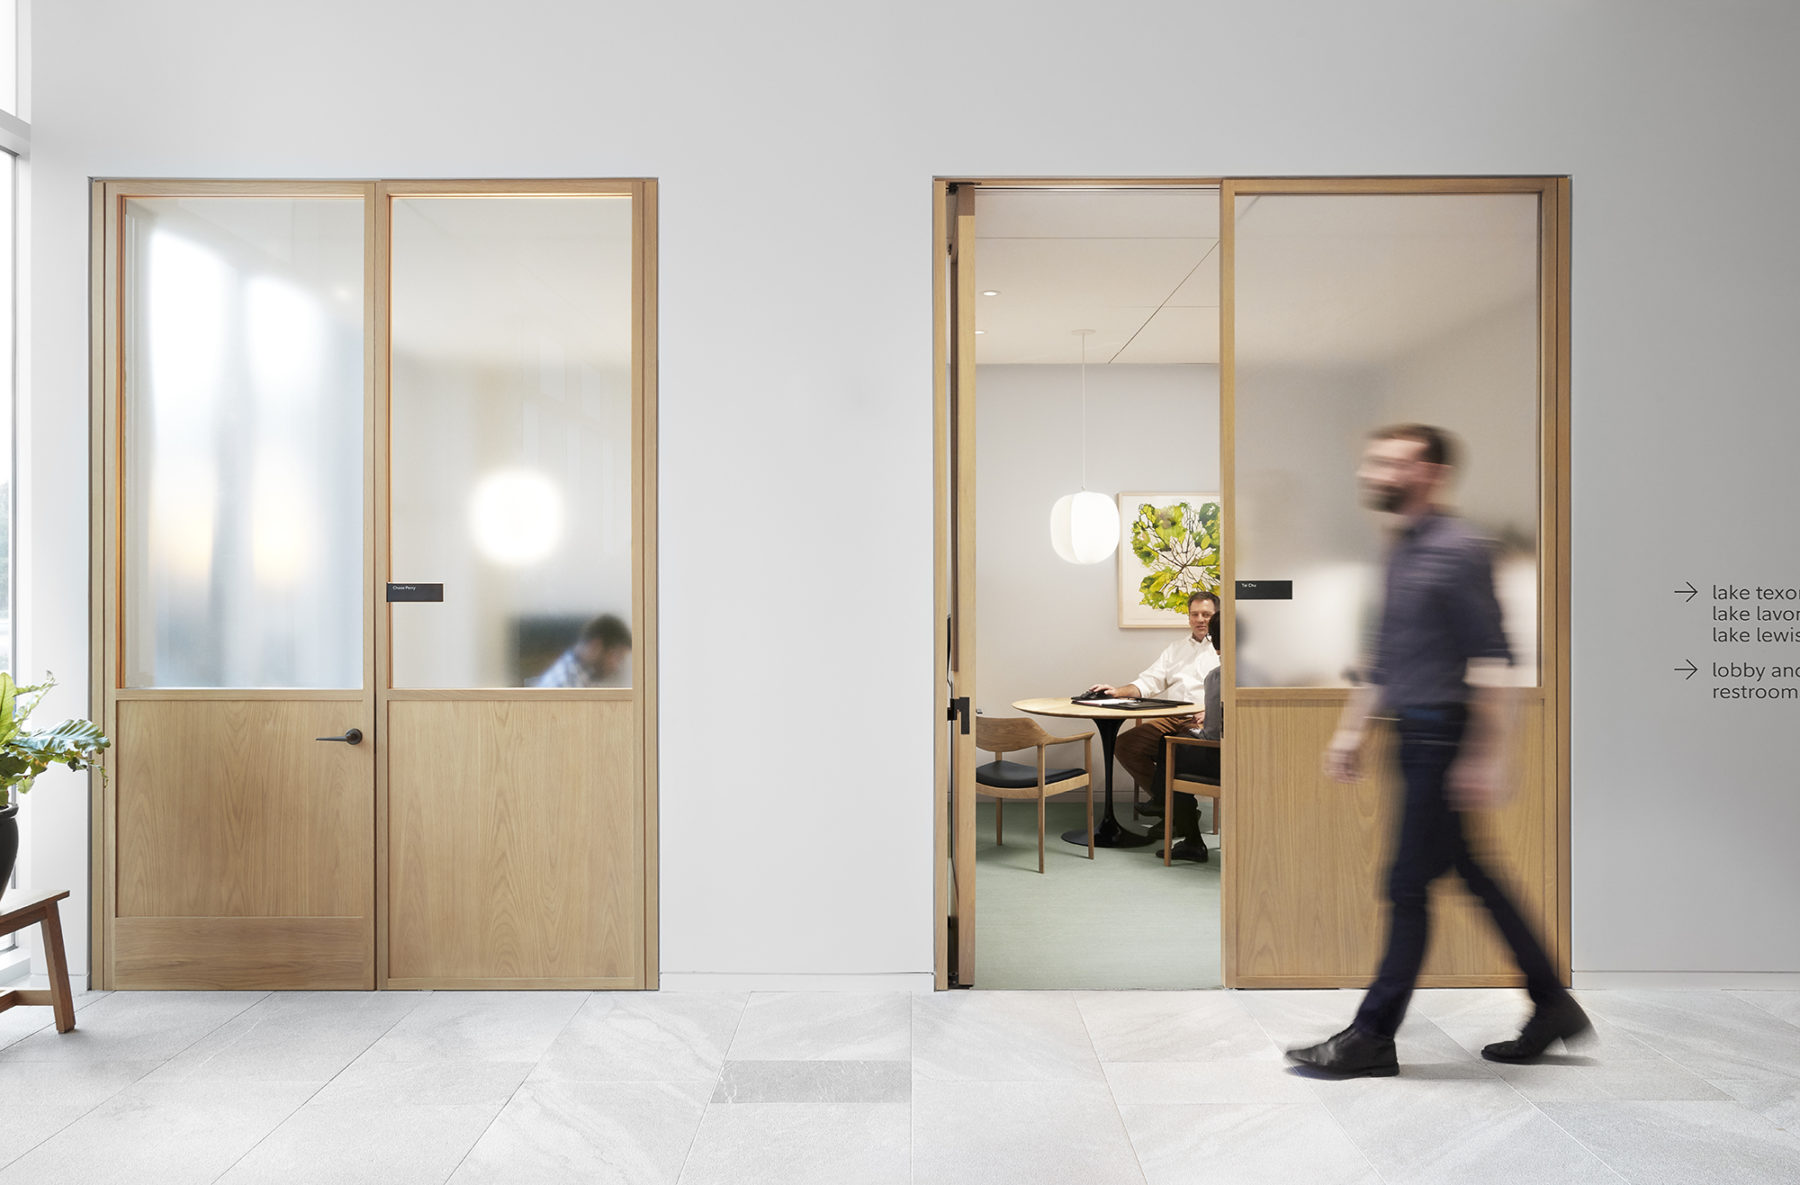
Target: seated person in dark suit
[1193,761]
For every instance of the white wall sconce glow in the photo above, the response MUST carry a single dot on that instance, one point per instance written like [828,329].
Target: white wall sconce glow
[1084,527]
[516,517]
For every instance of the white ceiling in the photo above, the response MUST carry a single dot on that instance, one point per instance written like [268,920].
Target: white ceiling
[1354,280]
[1334,280]
[1139,267]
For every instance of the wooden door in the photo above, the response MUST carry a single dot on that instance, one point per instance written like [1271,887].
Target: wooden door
[513,387]
[348,516]
[954,277]
[1347,305]
[245,845]
[235,657]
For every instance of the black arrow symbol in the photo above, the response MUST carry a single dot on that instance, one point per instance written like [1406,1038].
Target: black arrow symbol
[1690,668]
[1690,590]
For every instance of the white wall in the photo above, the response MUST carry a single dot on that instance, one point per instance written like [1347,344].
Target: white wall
[1043,626]
[795,143]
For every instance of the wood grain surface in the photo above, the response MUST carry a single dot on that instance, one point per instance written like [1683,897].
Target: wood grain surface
[515,843]
[233,809]
[1313,854]
[245,846]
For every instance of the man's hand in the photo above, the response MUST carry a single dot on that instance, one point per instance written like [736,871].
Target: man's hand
[1478,781]
[1343,757]
[1103,689]
[1478,778]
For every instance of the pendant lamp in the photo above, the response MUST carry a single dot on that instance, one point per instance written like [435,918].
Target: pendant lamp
[1084,527]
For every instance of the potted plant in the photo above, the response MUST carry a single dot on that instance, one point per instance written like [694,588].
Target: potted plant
[24,755]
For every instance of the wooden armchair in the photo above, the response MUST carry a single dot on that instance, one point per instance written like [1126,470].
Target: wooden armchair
[1003,779]
[1199,785]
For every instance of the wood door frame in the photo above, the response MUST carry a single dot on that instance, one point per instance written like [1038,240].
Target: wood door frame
[946,501]
[1551,690]
[106,492]
[1554,510]
[106,688]
[956,292]
[643,193]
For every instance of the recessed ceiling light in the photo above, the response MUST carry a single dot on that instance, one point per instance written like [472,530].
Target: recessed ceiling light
[992,292]
[979,332]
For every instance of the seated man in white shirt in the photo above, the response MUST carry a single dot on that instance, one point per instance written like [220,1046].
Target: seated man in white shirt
[600,657]
[1179,673]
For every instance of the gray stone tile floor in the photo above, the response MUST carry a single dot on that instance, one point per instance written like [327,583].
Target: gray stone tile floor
[1148,1088]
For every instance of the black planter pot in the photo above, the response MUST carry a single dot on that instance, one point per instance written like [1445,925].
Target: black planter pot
[9,843]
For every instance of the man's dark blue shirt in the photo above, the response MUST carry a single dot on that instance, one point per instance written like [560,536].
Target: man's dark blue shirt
[1440,612]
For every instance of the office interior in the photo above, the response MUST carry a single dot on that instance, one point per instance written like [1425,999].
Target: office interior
[1138,269]
[794,366]
[1352,310]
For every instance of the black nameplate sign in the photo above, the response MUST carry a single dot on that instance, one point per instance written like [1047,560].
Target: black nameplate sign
[1265,590]
[415,592]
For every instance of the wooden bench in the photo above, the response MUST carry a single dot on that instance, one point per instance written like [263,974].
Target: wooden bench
[18,911]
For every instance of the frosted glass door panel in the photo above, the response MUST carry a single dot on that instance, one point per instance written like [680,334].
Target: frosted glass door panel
[512,440]
[243,442]
[1354,312]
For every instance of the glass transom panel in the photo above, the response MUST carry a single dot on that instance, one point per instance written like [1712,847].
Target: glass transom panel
[1353,312]
[243,402]
[512,440]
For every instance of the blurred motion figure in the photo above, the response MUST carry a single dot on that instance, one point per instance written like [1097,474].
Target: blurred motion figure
[1439,634]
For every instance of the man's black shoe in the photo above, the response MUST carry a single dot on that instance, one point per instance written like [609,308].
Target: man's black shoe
[1351,1054]
[1188,849]
[1562,1021]
[1151,807]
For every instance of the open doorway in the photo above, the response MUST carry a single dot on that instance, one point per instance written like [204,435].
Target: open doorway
[1096,319]
[1341,304]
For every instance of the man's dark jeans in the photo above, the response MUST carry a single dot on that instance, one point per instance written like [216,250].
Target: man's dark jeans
[1432,843]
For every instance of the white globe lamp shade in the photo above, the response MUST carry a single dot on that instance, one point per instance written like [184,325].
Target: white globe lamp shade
[1084,527]
[516,517]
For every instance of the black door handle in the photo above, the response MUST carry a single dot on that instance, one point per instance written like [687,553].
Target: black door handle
[351,737]
[959,710]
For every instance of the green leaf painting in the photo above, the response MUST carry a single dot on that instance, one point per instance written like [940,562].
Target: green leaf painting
[1176,541]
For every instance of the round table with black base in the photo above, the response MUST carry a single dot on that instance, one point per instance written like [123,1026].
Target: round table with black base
[1110,833]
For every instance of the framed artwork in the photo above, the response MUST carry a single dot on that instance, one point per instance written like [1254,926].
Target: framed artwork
[1168,548]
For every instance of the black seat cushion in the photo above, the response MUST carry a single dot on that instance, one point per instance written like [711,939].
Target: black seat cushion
[1011,775]
[1196,764]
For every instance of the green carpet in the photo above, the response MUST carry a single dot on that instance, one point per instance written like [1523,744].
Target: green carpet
[1120,920]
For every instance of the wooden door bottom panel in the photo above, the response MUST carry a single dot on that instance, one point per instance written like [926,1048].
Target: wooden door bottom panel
[1313,856]
[234,809]
[1499,979]
[515,844]
[244,953]
[502,984]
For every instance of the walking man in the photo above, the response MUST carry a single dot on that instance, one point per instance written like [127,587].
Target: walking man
[1440,633]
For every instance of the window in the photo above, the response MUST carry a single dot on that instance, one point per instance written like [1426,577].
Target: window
[15,136]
